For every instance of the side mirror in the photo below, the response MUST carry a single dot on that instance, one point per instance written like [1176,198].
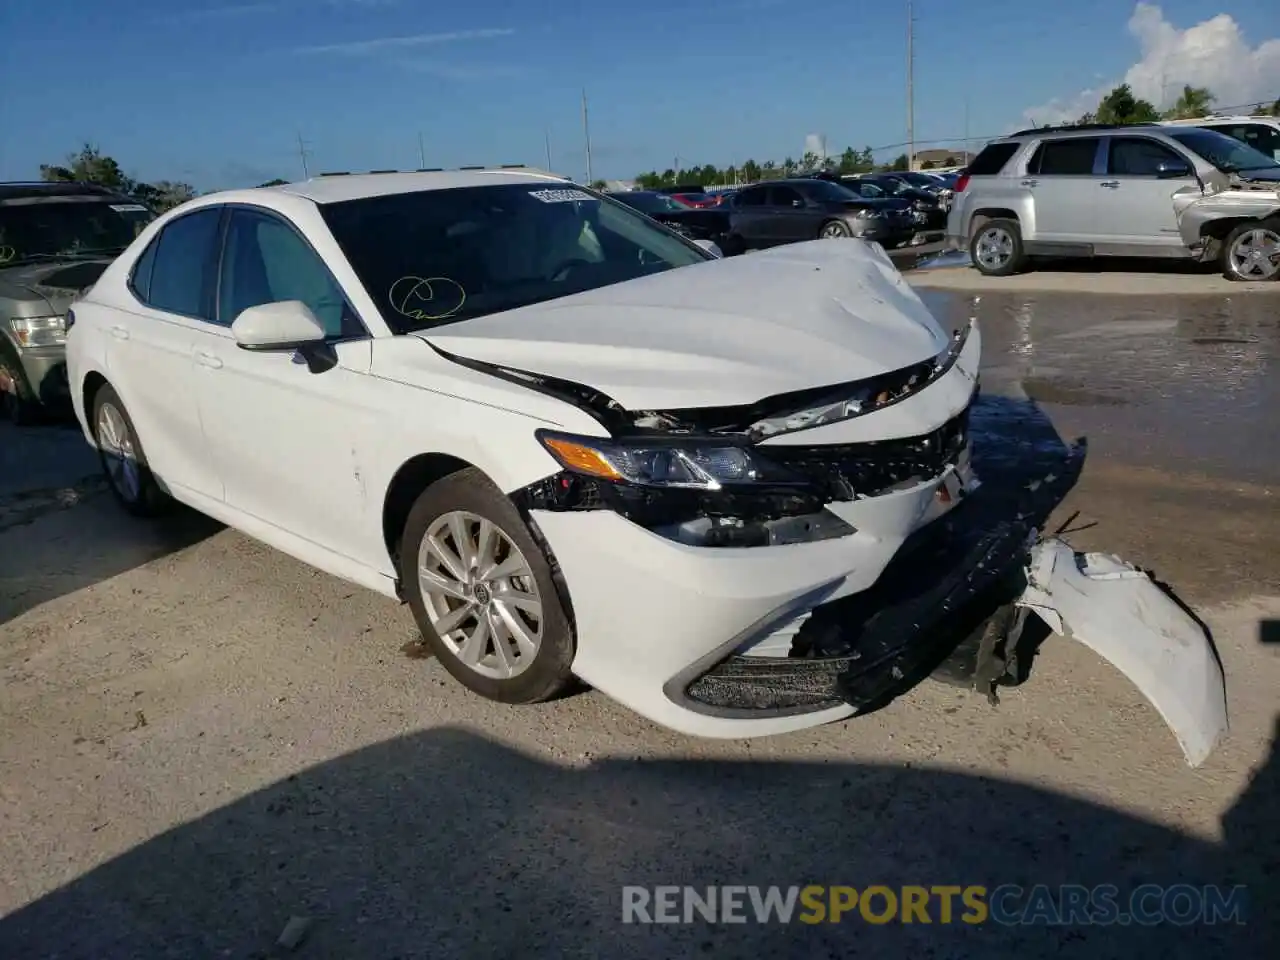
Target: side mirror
[797,203]
[1172,169]
[284,326]
[710,246]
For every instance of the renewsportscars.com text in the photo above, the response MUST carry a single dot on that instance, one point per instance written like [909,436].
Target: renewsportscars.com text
[1007,904]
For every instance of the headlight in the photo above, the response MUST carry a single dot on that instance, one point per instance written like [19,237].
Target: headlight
[923,204]
[689,464]
[869,215]
[38,331]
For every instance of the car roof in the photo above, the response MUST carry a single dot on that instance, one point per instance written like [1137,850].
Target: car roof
[339,187]
[56,188]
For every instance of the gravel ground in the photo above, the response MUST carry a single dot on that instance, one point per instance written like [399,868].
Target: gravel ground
[204,738]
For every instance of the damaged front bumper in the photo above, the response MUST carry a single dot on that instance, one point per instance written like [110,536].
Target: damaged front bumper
[831,629]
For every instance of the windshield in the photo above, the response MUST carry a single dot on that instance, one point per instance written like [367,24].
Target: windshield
[651,202]
[67,227]
[1226,153]
[826,190]
[443,256]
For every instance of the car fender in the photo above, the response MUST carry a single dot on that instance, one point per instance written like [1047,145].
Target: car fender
[1128,619]
[1194,210]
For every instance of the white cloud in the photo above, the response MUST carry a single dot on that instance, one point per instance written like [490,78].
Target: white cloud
[1214,53]
[413,40]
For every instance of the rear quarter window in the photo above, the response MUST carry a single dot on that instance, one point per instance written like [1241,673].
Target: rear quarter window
[991,159]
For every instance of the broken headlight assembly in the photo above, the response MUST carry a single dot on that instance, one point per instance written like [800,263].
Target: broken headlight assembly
[866,397]
[700,491]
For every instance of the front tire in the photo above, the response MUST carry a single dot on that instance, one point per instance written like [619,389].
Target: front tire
[482,592]
[17,401]
[123,460]
[1251,252]
[996,248]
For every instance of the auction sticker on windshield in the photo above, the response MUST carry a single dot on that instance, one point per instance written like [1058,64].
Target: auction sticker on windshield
[128,208]
[560,196]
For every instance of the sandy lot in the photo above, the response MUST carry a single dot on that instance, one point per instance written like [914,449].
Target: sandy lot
[203,738]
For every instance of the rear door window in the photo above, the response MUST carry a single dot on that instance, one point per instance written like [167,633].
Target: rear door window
[784,197]
[1064,158]
[750,198]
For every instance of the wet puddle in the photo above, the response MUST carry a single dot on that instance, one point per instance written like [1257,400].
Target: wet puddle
[1179,381]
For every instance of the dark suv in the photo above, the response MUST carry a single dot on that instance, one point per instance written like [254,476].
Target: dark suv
[55,240]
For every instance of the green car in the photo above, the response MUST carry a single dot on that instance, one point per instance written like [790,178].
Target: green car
[55,241]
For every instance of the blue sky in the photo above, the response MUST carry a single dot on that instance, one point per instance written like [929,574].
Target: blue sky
[215,92]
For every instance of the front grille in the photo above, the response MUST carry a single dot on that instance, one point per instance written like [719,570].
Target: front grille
[865,469]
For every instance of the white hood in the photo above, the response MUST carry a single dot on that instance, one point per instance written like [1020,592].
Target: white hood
[723,333]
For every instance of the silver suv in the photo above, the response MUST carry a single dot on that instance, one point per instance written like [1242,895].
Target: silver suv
[1139,190]
[55,240]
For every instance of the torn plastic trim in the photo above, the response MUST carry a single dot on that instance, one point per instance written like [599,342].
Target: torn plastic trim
[1120,613]
[751,422]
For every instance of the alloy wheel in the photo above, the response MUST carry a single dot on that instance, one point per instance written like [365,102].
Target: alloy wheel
[480,594]
[834,230]
[994,248]
[118,453]
[1255,255]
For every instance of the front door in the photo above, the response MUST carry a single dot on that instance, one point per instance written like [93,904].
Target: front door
[1137,209]
[287,440]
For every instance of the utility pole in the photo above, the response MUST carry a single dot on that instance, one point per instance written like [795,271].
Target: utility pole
[422,153]
[546,139]
[303,153]
[966,131]
[586,133]
[911,111]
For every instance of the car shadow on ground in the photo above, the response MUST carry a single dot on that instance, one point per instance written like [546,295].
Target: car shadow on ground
[60,529]
[444,844]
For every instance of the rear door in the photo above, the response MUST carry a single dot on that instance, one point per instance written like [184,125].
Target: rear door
[1138,209]
[1065,182]
[790,216]
[150,349]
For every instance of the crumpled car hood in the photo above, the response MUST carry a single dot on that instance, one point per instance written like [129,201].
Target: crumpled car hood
[723,333]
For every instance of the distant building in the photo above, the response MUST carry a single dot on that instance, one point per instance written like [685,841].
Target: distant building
[941,159]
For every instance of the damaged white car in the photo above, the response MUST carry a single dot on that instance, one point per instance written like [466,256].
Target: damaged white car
[733,494]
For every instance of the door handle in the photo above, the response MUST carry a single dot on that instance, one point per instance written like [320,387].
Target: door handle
[1110,184]
[206,359]
[120,333]
[1029,183]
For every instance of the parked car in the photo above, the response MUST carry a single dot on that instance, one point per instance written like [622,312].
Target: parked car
[787,211]
[1261,133]
[734,494]
[691,195]
[932,215]
[1146,190]
[711,223]
[55,240]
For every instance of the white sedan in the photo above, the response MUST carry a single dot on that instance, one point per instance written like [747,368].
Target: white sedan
[729,493]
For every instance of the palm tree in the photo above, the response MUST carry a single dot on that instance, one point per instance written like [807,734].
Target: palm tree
[1191,103]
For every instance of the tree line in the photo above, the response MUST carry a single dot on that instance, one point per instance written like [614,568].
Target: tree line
[1117,106]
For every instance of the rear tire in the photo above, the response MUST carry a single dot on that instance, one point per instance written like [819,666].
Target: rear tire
[996,248]
[123,460]
[482,592]
[1251,252]
[834,229]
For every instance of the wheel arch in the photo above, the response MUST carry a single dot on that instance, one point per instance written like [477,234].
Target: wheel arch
[93,382]
[983,214]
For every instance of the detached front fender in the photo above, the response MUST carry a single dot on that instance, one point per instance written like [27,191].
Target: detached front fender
[1194,210]
[1121,614]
